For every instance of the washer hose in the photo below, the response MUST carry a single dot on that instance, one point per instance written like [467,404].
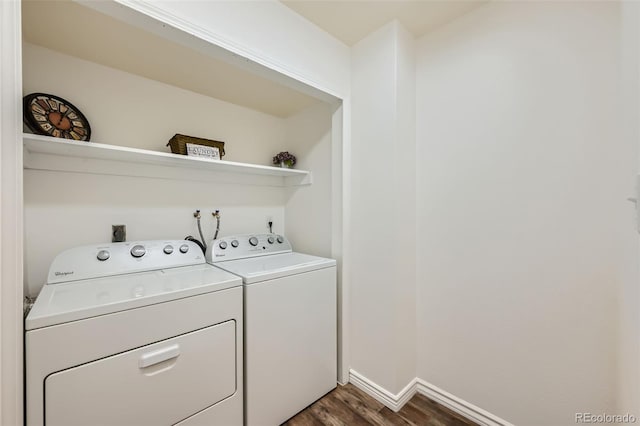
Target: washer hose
[203,244]
[197,216]
[195,240]
[217,216]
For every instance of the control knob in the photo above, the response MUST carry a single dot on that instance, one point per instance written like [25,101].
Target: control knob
[253,241]
[138,250]
[271,240]
[222,245]
[184,248]
[234,243]
[168,249]
[103,255]
[280,239]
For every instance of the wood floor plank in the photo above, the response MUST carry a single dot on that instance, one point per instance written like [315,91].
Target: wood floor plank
[342,411]
[431,406]
[393,419]
[415,415]
[434,421]
[324,415]
[365,398]
[366,410]
[349,406]
[304,418]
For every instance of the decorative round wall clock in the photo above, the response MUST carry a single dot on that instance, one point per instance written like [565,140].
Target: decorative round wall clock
[53,116]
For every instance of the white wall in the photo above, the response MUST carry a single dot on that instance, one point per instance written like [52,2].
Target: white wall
[11,222]
[128,110]
[629,298]
[308,212]
[404,220]
[269,32]
[522,183]
[63,210]
[383,208]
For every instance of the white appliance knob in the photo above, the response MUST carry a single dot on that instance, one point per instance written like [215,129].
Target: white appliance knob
[184,248]
[280,239]
[222,245]
[271,240]
[253,241]
[103,255]
[138,250]
[168,249]
[234,243]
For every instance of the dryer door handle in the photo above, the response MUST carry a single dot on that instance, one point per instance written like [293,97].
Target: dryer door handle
[156,357]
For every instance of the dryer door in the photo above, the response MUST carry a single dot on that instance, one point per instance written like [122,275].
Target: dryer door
[158,384]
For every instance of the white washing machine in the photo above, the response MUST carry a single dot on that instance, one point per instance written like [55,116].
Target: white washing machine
[290,324]
[142,333]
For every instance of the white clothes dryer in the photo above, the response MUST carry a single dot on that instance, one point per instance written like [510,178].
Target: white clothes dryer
[290,324]
[140,333]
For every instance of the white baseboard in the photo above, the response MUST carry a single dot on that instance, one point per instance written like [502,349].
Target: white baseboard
[460,406]
[393,402]
[396,401]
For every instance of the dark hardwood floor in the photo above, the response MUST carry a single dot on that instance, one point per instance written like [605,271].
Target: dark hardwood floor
[348,405]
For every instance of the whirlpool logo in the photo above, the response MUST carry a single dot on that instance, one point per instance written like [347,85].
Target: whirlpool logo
[63,274]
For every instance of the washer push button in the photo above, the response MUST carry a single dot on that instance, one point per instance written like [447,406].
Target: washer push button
[103,255]
[138,250]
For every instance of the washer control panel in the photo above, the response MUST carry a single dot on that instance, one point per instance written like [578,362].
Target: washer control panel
[81,263]
[243,246]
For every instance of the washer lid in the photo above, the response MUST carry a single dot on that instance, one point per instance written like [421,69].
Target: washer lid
[256,269]
[76,300]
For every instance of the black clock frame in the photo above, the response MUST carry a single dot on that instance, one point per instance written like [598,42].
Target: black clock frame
[34,125]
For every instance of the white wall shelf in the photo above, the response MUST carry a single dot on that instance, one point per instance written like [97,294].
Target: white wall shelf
[54,154]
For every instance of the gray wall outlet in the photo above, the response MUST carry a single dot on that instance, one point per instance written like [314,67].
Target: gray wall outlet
[118,233]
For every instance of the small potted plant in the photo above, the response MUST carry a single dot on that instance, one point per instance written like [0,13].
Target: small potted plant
[285,159]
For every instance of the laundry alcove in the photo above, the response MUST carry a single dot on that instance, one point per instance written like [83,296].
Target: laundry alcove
[139,81]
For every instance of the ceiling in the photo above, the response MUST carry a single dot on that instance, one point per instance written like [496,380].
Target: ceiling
[352,20]
[76,30]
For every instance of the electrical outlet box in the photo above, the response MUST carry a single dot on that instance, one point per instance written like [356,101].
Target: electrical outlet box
[118,233]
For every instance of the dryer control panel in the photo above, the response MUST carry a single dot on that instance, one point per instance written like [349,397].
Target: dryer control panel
[248,245]
[104,260]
